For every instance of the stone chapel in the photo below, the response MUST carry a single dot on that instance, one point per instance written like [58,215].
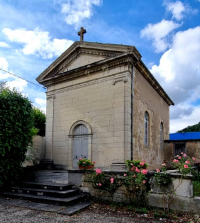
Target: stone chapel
[104,104]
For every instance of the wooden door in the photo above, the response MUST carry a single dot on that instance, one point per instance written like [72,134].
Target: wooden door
[80,144]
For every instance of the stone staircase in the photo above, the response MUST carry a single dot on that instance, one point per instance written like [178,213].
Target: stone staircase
[62,198]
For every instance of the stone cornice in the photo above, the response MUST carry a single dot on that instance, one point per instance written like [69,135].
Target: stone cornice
[107,50]
[121,77]
[110,63]
[103,65]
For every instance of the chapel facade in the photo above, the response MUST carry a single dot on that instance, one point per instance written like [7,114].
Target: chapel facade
[104,104]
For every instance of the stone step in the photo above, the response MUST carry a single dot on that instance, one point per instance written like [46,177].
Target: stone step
[47,207]
[43,192]
[47,185]
[75,208]
[47,199]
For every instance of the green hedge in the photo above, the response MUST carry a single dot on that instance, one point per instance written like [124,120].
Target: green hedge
[16,130]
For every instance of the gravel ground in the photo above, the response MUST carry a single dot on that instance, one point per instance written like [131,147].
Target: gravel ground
[12,214]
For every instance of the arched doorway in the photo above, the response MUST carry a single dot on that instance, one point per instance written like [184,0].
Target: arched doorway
[80,143]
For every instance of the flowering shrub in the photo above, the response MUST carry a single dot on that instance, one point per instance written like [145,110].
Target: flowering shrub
[183,163]
[102,181]
[132,164]
[162,178]
[135,181]
[85,162]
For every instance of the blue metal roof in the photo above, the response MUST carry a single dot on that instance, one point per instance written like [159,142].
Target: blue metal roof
[185,136]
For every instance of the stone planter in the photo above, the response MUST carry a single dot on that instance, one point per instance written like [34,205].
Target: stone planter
[90,167]
[158,188]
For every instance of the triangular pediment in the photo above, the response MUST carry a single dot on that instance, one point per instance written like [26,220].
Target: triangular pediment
[80,54]
[81,60]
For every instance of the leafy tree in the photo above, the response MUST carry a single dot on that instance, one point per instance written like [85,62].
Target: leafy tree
[192,128]
[16,131]
[39,121]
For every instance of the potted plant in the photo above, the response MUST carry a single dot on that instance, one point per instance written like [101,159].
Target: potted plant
[85,164]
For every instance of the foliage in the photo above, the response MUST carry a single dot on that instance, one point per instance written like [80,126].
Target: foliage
[141,210]
[162,177]
[39,121]
[15,133]
[196,188]
[102,181]
[192,128]
[183,163]
[135,182]
[85,162]
[136,163]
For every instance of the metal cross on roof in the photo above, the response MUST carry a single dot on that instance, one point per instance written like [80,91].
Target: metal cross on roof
[81,33]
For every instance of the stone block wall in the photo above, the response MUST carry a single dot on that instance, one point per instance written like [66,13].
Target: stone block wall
[178,196]
[100,101]
[120,195]
[146,99]
[36,152]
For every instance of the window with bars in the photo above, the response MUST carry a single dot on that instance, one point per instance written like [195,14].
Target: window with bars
[161,135]
[146,128]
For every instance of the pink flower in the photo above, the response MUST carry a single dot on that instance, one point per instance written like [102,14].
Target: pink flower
[125,175]
[94,162]
[98,171]
[163,164]
[184,155]
[187,161]
[133,168]
[193,158]
[185,166]
[100,184]
[83,162]
[131,164]
[179,157]
[144,171]
[134,176]
[157,170]
[141,163]
[112,180]
[144,181]
[137,170]
[181,153]
[175,161]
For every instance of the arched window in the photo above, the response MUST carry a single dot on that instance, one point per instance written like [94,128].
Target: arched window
[161,135]
[146,128]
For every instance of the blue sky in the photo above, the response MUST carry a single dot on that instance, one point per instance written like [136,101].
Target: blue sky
[167,34]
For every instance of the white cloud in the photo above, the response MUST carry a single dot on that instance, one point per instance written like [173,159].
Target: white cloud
[178,9]
[11,81]
[2,44]
[184,121]
[18,84]
[37,42]
[76,11]
[4,66]
[179,74]
[40,101]
[158,33]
